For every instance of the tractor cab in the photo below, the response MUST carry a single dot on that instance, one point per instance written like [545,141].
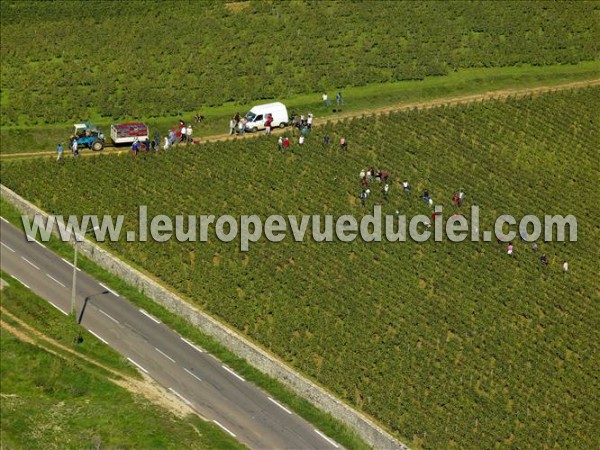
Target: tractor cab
[88,135]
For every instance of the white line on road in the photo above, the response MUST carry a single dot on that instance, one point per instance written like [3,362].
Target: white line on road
[54,279]
[331,441]
[136,365]
[150,316]
[29,262]
[201,350]
[39,243]
[56,306]
[232,372]
[185,400]
[109,316]
[7,247]
[20,282]
[99,337]
[192,374]
[109,290]
[4,220]
[224,428]
[71,264]
[280,405]
[164,354]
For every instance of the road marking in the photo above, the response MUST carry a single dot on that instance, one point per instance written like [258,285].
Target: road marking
[185,400]
[39,243]
[232,372]
[201,350]
[56,306]
[109,316]
[280,405]
[224,428]
[7,247]
[164,354]
[326,438]
[192,374]
[71,264]
[29,262]
[149,316]
[4,220]
[99,337]
[20,282]
[109,290]
[136,365]
[54,279]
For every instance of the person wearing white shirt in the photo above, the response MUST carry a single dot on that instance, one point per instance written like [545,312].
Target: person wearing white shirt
[189,133]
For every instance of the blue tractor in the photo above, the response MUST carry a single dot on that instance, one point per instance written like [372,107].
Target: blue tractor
[88,135]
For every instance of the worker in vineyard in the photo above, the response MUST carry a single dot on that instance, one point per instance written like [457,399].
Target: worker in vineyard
[286,142]
[338,100]
[326,100]
[326,140]
[135,147]
[509,249]
[232,123]
[301,139]
[565,267]
[183,132]
[59,151]
[425,196]
[386,190]
[406,187]
[167,143]
[343,143]
[544,259]
[241,127]
[383,176]
[74,148]
[188,133]
[363,197]
[280,143]
[461,197]
[370,173]
[268,123]
[455,199]
[309,121]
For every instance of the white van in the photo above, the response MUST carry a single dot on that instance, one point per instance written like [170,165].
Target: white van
[256,116]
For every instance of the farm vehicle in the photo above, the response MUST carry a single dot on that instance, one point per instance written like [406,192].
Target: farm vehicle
[87,135]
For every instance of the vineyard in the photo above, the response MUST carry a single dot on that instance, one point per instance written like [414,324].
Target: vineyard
[446,344]
[95,59]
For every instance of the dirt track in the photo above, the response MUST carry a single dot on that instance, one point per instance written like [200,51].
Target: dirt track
[444,101]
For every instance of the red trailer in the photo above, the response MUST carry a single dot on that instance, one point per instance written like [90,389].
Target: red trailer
[127,133]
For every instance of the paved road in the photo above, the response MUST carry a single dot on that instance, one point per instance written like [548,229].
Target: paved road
[193,375]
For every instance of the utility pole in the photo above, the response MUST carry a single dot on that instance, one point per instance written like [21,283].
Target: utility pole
[74,284]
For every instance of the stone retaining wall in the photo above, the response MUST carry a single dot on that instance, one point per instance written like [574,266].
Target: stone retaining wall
[263,361]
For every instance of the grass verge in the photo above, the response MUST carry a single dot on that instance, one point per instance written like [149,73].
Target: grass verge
[52,398]
[323,421]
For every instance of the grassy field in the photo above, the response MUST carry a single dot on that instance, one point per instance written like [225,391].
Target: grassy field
[157,59]
[61,395]
[445,344]
[21,139]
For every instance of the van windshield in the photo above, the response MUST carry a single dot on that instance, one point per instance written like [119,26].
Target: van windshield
[250,116]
